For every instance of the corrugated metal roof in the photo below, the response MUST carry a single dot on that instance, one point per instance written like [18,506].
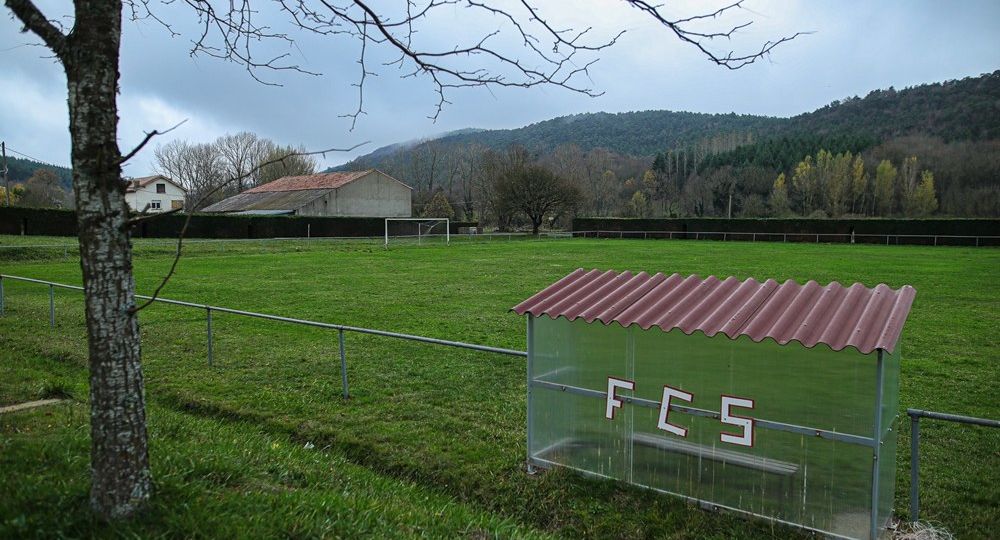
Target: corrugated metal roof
[288,201]
[835,315]
[332,180]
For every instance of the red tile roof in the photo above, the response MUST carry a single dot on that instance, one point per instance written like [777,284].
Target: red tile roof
[838,316]
[332,180]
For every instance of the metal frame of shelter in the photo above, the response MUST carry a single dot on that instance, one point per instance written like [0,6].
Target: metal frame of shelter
[587,299]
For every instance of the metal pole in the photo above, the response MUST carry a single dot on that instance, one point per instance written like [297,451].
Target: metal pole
[1,297]
[877,447]
[531,356]
[343,364]
[52,306]
[447,231]
[914,468]
[208,310]
[387,234]
[6,179]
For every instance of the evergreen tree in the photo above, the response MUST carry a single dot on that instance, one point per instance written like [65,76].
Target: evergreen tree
[439,207]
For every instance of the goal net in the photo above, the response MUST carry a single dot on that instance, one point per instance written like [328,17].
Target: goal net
[418,229]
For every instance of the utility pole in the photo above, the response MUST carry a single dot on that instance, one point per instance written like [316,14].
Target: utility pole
[6,181]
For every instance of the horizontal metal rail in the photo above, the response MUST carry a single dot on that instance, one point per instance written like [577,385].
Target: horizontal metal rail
[915,416]
[694,411]
[291,320]
[755,235]
[697,235]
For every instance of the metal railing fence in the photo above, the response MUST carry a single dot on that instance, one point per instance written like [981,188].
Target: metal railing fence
[915,416]
[209,309]
[142,244]
[751,236]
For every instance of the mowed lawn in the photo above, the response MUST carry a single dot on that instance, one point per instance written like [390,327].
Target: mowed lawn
[432,441]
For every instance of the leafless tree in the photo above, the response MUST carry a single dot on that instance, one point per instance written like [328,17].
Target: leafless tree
[42,190]
[198,167]
[240,153]
[538,193]
[284,161]
[545,54]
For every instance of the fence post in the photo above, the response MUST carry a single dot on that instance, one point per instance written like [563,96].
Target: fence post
[52,306]
[343,363]
[1,297]
[914,467]
[208,312]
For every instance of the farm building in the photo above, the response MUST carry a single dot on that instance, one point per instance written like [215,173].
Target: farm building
[369,193]
[775,400]
[155,193]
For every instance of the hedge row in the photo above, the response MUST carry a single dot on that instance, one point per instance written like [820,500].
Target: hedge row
[895,231]
[51,222]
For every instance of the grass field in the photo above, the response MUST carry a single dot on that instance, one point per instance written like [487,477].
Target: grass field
[432,442]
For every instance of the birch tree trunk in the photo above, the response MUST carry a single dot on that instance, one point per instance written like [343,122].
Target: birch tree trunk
[120,472]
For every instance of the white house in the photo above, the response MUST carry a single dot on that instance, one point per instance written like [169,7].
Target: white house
[155,193]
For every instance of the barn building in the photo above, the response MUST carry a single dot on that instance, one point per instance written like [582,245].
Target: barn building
[154,194]
[369,193]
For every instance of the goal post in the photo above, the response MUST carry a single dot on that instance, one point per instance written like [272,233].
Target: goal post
[420,223]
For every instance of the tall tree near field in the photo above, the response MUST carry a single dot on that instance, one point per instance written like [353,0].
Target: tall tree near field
[438,207]
[838,184]
[806,181]
[885,187]
[923,201]
[538,193]
[638,205]
[859,185]
[89,54]
[906,183]
[779,197]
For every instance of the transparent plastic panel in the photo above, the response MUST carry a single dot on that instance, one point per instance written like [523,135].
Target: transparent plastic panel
[804,479]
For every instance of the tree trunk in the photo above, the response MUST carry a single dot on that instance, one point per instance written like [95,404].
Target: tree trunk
[120,473]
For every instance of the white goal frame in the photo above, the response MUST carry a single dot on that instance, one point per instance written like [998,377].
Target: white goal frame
[447,226]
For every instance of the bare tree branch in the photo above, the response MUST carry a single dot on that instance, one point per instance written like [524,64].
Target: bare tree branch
[35,21]
[149,136]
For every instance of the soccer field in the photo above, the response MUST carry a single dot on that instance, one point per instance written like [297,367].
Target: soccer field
[432,441]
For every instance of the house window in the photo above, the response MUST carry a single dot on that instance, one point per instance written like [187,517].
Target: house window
[161,188]
[154,205]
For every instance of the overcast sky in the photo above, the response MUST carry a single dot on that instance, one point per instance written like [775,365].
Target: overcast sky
[854,47]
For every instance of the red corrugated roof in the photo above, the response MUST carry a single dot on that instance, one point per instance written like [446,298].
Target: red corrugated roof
[332,180]
[838,316]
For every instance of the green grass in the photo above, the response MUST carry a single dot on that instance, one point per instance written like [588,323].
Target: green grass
[447,423]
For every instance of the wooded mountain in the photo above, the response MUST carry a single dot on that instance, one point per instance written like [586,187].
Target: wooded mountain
[966,109]
[944,136]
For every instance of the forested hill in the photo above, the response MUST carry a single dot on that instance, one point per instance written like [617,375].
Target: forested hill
[966,109]
[632,133]
[20,170]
